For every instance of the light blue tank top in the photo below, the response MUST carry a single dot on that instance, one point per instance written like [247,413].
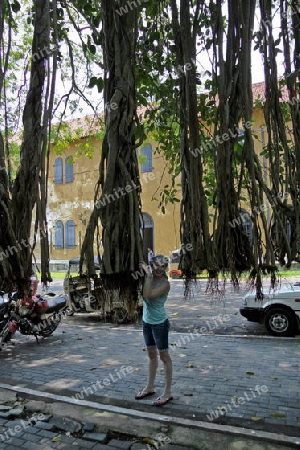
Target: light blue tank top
[154,310]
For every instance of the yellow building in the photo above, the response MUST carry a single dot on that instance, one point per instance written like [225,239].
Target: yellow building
[72,180]
[71,191]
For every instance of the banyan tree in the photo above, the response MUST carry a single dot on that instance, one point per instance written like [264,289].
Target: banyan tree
[28,189]
[117,196]
[190,64]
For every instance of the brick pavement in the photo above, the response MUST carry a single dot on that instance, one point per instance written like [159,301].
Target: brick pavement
[210,371]
[245,381]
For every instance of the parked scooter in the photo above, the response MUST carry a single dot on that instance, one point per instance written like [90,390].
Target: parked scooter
[80,289]
[36,316]
[86,295]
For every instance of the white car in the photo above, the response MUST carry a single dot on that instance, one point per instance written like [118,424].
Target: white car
[279,311]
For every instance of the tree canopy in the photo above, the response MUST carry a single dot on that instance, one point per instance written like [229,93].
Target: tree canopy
[189,62]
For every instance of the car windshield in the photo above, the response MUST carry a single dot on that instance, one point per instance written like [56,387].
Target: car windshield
[74,265]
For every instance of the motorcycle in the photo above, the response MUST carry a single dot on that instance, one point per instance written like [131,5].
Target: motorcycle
[36,316]
[80,289]
[86,295]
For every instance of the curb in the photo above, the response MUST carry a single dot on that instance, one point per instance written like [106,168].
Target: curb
[157,420]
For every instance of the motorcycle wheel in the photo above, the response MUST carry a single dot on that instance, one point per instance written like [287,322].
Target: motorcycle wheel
[49,329]
[5,335]
[120,316]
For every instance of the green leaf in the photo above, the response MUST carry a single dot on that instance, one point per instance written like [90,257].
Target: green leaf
[16,6]
[278,414]
[56,438]
[95,81]
[92,49]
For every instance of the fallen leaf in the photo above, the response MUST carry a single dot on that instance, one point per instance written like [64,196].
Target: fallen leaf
[277,414]
[174,314]
[93,368]
[79,339]
[188,394]
[256,419]
[160,370]
[274,378]
[250,373]
[56,438]
[150,442]
[225,379]
[221,408]
[137,368]
[210,332]
[189,366]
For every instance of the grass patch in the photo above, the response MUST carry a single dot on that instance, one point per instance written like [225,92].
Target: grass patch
[58,275]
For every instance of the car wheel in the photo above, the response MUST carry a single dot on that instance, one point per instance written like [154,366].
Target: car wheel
[281,322]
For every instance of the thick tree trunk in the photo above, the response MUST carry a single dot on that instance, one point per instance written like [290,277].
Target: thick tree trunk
[194,211]
[117,198]
[16,213]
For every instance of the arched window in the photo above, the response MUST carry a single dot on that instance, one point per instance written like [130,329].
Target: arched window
[69,172]
[247,224]
[59,235]
[58,171]
[147,151]
[70,234]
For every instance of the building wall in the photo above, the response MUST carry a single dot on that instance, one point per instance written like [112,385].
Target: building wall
[74,201]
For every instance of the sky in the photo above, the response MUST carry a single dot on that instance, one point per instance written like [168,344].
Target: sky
[96,98]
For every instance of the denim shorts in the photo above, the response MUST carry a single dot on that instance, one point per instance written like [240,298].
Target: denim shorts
[157,335]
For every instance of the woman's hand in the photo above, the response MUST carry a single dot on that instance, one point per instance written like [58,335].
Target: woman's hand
[146,269]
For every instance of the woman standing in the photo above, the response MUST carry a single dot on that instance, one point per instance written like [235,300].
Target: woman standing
[156,326]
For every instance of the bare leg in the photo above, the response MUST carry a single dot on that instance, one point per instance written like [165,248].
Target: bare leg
[166,359]
[153,364]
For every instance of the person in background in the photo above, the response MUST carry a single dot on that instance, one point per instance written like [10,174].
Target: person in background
[156,326]
[150,255]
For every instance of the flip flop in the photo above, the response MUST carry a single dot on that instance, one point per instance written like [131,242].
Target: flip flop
[160,401]
[143,394]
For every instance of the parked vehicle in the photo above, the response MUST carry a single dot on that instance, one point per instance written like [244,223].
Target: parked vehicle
[34,282]
[36,316]
[278,311]
[80,288]
[86,295]
[174,260]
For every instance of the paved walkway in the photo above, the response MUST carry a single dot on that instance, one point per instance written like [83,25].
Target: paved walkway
[247,381]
